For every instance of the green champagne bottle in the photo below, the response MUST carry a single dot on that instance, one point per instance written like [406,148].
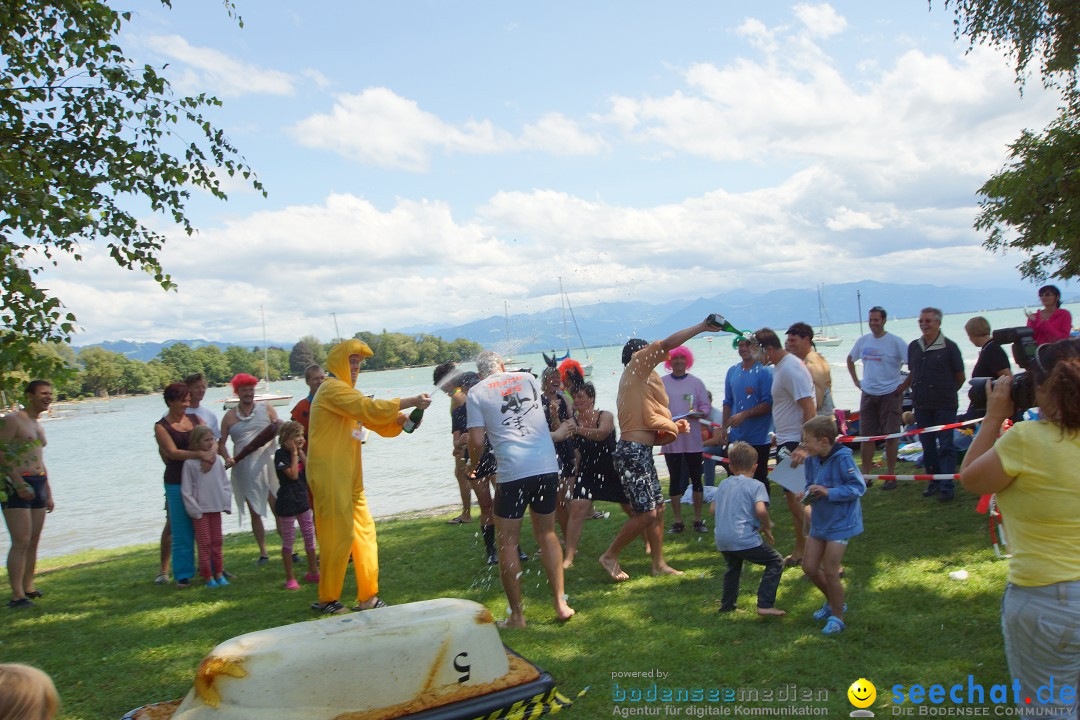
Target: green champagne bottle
[718,321]
[413,421]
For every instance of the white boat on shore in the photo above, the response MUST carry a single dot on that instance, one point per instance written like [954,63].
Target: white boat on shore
[263,393]
[267,397]
[821,337]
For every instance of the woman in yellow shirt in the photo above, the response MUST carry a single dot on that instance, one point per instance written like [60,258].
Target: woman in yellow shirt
[1033,470]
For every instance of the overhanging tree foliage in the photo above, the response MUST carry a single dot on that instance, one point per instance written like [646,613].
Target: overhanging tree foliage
[89,141]
[1025,29]
[1031,204]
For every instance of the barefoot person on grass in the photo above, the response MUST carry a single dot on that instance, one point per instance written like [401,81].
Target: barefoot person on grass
[505,407]
[26,484]
[644,421]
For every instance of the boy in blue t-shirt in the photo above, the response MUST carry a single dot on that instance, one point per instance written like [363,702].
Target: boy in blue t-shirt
[740,511]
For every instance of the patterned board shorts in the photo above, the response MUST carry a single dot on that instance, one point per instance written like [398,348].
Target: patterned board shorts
[637,472]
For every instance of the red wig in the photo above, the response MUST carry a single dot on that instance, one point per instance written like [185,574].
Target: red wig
[571,373]
[243,380]
[681,351]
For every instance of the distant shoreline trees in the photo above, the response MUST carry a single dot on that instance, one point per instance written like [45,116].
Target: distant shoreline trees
[96,372]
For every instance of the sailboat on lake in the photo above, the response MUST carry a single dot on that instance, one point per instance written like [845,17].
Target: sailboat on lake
[263,393]
[826,336]
[564,300]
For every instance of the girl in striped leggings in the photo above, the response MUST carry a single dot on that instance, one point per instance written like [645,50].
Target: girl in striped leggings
[291,505]
[206,494]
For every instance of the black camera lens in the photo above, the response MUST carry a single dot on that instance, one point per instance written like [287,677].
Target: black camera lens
[1021,390]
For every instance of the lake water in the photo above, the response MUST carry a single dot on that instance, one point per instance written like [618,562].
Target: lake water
[107,477]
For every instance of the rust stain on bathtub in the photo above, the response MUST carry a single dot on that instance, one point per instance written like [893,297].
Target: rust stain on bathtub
[209,670]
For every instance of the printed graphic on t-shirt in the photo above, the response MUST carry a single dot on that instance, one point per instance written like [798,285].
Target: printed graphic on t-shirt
[517,401]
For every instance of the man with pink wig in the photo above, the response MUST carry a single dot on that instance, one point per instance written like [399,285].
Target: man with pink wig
[252,427]
[687,398]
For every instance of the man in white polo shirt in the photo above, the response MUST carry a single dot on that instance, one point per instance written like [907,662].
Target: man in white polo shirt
[882,354]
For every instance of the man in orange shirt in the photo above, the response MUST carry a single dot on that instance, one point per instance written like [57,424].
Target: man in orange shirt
[313,376]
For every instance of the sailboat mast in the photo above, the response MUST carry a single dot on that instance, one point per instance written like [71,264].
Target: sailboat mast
[506,316]
[266,352]
[858,299]
[565,329]
[578,328]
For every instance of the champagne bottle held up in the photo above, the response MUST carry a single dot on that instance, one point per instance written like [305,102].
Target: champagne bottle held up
[718,321]
[413,421]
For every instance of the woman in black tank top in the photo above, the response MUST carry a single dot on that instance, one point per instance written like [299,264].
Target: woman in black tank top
[594,443]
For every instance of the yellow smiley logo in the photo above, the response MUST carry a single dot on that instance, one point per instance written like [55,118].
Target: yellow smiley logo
[862,693]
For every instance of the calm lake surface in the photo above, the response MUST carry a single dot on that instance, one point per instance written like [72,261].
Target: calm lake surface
[107,477]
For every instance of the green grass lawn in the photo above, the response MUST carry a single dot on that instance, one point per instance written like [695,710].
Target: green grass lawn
[113,640]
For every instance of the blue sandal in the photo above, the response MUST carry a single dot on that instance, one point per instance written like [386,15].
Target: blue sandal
[834,626]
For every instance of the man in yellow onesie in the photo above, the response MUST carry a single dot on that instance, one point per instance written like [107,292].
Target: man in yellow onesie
[342,520]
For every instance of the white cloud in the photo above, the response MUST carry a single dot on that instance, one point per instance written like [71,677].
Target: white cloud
[380,127]
[894,126]
[821,21]
[416,263]
[757,33]
[863,170]
[847,219]
[557,134]
[321,81]
[217,72]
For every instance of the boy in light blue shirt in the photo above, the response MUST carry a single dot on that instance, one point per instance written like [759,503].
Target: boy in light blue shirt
[740,512]
[833,486]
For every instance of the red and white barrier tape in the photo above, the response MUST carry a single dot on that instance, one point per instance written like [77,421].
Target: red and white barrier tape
[923,478]
[916,431]
[874,438]
[911,477]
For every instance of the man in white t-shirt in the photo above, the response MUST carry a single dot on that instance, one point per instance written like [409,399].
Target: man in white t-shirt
[792,405]
[506,408]
[882,354]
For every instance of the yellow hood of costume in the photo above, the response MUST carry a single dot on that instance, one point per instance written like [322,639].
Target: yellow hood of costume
[337,362]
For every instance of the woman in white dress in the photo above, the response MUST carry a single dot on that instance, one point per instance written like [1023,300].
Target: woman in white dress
[252,427]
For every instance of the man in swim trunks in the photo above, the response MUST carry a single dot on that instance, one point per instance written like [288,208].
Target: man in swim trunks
[644,421]
[505,407]
[26,485]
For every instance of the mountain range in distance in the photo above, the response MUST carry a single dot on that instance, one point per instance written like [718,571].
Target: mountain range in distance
[611,323]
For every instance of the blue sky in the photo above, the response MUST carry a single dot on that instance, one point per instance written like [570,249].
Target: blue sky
[427,161]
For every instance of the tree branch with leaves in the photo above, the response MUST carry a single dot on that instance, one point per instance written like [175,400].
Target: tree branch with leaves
[1033,203]
[89,140]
